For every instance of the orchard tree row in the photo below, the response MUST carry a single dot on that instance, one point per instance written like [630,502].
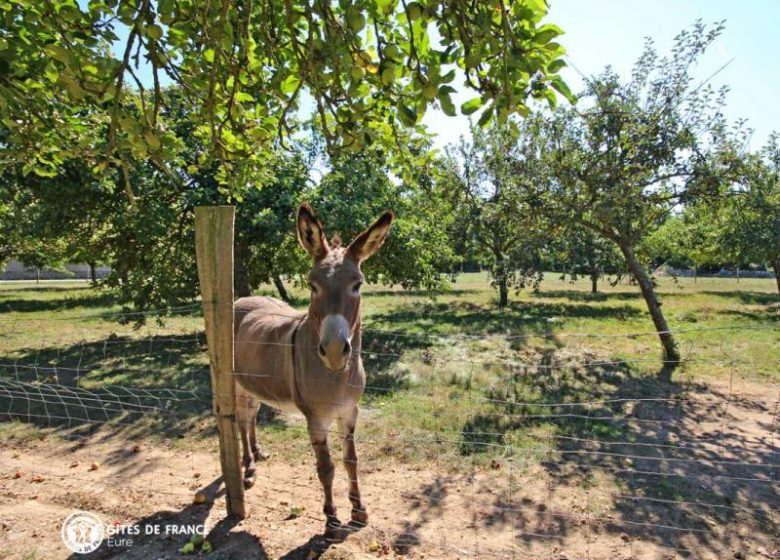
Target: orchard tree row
[101,164]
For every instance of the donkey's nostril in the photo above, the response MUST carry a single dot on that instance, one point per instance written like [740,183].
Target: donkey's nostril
[347,348]
[321,350]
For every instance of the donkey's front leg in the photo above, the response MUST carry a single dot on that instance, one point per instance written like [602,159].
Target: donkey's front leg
[347,428]
[318,434]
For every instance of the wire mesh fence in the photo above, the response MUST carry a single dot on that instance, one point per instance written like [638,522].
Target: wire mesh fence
[499,444]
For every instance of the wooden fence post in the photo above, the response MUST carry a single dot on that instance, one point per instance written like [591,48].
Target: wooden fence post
[214,252]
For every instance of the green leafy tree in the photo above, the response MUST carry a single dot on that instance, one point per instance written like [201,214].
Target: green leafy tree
[486,178]
[266,248]
[49,221]
[580,252]
[371,68]
[750,231]
[637,150]
[360,187]
[148,244]
[691,239]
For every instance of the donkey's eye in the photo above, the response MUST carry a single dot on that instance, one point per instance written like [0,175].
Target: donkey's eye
[313,287]
[356,287]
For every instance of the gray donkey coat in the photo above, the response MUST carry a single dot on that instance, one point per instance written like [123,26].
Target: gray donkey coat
[309,362]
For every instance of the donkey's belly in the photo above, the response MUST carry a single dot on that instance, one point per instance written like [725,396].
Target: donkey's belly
[284,406]
[270,389]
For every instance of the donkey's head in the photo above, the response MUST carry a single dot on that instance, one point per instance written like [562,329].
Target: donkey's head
[335,281]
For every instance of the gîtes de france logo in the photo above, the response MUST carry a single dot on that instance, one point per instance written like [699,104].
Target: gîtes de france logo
[82,532]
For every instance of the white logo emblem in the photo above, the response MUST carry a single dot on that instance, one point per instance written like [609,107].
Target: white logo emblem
[82,532]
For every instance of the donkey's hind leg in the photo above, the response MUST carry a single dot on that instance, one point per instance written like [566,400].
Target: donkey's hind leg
[246,412]
[257,453]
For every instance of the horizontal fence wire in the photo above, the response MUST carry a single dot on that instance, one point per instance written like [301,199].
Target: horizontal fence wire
[67,388]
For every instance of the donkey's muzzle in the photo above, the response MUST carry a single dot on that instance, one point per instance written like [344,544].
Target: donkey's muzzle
[335,347]
[346,349]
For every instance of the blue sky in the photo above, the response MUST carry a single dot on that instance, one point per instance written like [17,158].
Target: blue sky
[611,32]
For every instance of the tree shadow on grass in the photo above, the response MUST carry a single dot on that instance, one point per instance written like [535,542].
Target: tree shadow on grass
[424,327]
[130,385]
[7,286]
[518,318]
[691,466]
[768,315]
[419,293]
[87,300]
[581,295]
[748,298]
[381,354]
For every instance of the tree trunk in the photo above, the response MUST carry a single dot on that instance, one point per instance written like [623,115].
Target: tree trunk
[37,275]
[241,283]
[93,273]
[283,293]
[671,352]
[776,267]
[503,292]
[594,274]
[500,278]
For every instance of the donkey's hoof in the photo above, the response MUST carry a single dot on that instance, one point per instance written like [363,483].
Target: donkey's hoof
[335,532]
[249,480]
[359,517]
[261,455]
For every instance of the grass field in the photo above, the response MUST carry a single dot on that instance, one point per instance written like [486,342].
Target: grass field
[453,381]
[421,353]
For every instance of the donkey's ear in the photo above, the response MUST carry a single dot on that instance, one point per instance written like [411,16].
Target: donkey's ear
[310,233]
[369,242]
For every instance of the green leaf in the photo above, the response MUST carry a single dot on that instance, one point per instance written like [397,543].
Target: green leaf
[546,33]
[154,31]
[556,65]
[41,172]
[58,53]
[290,84]
[485,117]
[561,87]
[152,139]
[446,104]
[551,98]
[208,54]
[51,72]
[448,77]
[408,115]
[471,105]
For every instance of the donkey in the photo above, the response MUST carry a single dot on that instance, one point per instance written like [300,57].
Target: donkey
[309,362]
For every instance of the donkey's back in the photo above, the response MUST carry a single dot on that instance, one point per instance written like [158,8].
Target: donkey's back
[262,309]
[263,355]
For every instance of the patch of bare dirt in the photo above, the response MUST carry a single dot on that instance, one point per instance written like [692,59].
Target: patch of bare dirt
[606,507]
